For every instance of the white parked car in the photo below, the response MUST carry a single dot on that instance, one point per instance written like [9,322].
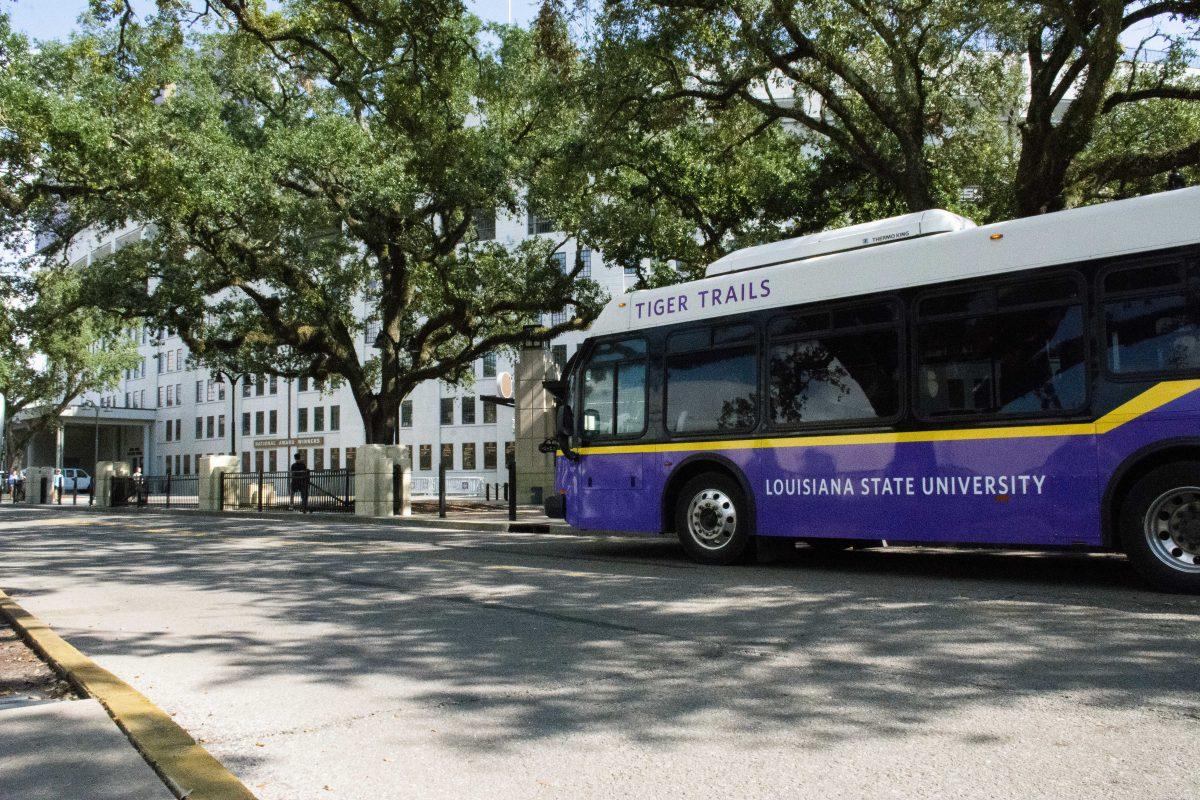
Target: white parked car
[76,478]
[71,475]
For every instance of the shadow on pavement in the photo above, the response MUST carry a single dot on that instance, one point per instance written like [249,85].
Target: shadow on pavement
[576,634]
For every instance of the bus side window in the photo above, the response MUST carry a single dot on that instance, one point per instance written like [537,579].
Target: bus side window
[1152,319]
[614,390]
[1014,349]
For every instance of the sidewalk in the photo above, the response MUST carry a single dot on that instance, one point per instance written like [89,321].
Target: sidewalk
[493,519]
[115,745]
[71,750]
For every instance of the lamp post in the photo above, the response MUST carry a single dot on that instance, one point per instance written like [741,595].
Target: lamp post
[96,453]
[233,378]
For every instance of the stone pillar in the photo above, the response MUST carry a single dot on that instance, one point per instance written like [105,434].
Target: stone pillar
[212,471]
[535,424]
[105,472]
[33,485]
[373,465]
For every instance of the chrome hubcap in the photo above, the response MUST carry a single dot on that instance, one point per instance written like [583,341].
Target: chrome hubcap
[1173,528]
[712,519]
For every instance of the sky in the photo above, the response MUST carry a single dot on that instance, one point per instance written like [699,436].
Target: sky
[54,19]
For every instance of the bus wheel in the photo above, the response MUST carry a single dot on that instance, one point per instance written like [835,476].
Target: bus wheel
[710,517]
[1160,526]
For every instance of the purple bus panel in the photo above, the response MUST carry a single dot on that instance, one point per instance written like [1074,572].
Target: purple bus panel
[1043,490]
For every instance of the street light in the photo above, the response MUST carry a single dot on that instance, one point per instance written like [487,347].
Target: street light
[233,378]
[96,456]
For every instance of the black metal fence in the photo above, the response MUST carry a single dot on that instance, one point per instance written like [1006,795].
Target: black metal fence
[323,490]
[158,491]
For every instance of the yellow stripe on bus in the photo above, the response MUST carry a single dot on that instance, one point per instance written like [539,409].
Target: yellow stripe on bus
[1149,400]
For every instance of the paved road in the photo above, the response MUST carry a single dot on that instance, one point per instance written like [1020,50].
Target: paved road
[366,662]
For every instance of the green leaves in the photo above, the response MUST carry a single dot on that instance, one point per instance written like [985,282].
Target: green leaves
[305,168]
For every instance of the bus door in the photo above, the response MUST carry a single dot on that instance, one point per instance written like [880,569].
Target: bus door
[612,416]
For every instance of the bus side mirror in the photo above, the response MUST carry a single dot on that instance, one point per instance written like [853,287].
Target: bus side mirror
[564,421]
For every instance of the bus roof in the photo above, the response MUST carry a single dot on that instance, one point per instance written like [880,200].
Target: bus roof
[1122,227]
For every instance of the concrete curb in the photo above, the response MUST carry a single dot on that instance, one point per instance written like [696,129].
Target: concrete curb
[488,526]
[184,766]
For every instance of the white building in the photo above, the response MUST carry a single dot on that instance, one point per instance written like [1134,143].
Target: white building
[267,419]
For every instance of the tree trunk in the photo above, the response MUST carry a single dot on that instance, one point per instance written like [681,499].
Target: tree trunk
[379,421]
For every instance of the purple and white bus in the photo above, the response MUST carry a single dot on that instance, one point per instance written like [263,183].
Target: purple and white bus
[918,379]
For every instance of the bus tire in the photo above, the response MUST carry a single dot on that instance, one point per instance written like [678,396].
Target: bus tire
[711,519]
[1160,526]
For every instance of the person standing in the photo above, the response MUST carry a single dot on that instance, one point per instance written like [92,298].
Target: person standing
[58,485]
[299,481]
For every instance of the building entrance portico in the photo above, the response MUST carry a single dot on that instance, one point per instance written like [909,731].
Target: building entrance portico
[85,434]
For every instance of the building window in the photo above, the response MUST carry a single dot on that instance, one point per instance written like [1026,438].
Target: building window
[273,384]
[260,386]
[318,418]
[334,457]
[259,460]
[127,399]
[489,365]
[560,260]
[485,224]
[335,418]
[245,461]
[179,429]
[448,455]
[318,458]
[302,420]
[221,426]
[178,464]
[406,414]
[468,410]
[303,383]
[246,386]
[510,452]
[541,224]
[272,461]
[447,411]
[586,257]
[272,421]
[208,427]
[167,430]
[199,391]
[351,452]
[468,455]
[170,361]
[426,454]
[559,352]
[259,418]
[187,464]
[561,317]
[246,423]
[199,427]
[170,395]
[489,455]
[489,411]
[371,332]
